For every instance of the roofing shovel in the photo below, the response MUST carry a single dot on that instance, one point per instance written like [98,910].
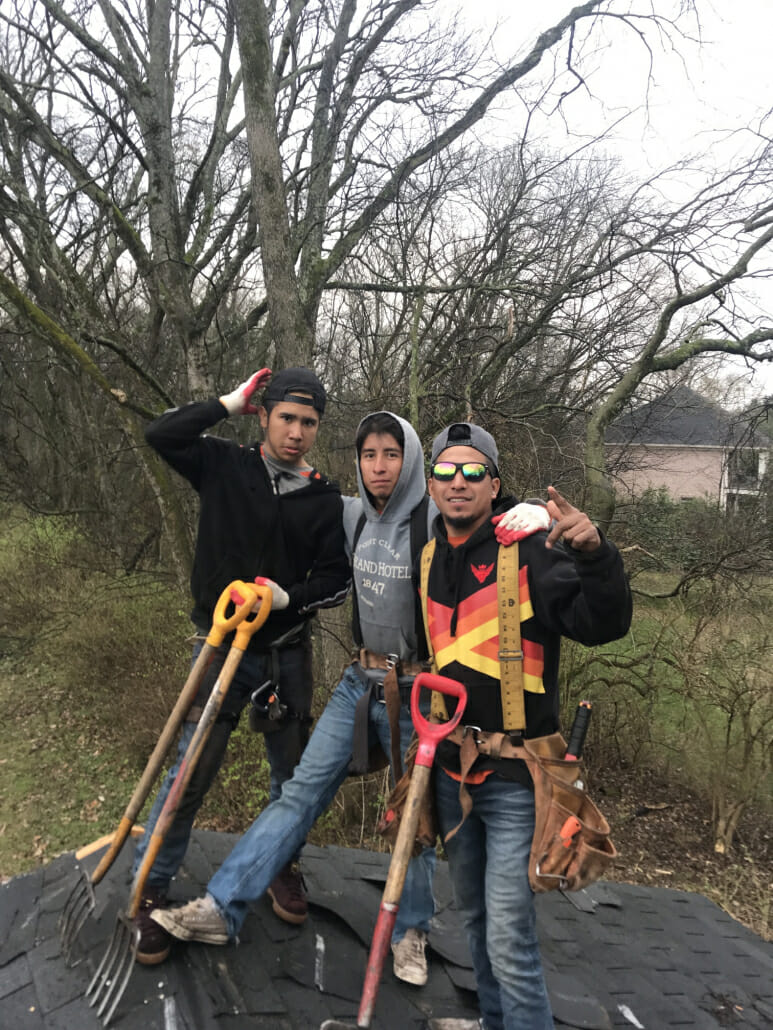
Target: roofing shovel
[110,980]
[81,901]
[430,735]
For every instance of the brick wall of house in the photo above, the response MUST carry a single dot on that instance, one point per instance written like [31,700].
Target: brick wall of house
[686,472]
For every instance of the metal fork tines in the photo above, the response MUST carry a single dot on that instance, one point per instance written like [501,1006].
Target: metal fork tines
[78,907]
[110,980]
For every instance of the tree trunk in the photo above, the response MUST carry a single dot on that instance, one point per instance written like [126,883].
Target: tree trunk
[292,335]
[415,379]
[726,818]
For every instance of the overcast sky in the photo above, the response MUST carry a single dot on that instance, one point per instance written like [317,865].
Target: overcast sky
[700,95]
[709,86]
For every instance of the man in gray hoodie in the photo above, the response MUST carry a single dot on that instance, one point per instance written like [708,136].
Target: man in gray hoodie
[390,473]
[393,484]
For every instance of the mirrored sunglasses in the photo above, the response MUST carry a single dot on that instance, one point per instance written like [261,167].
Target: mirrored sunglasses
[473,471]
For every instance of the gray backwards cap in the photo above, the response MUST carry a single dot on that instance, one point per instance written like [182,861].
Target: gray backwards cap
[466,434]
[285,384]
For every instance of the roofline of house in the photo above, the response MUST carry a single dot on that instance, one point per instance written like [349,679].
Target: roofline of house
[690,446]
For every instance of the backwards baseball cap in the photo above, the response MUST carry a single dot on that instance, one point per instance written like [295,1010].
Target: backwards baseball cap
[288,384]
[466,434]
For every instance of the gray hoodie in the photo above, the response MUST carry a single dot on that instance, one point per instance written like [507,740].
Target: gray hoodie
[382,563]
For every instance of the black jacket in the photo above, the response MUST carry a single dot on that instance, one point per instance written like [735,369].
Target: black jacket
[563,592]
[246,530]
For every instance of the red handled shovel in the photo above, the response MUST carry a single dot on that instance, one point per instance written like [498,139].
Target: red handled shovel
[430,735]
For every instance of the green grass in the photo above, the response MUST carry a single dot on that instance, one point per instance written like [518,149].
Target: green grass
[91,664]
[61,783]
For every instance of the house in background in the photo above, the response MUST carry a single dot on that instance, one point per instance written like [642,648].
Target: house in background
[694,449]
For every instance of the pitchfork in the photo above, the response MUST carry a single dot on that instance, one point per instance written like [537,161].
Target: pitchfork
[81,901]
[109,982]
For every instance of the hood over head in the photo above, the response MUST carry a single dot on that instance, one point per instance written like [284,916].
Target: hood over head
[411,483]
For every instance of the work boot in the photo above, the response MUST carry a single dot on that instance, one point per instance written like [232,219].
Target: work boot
[199,920]
[155,942]
[410,962]
[288,895]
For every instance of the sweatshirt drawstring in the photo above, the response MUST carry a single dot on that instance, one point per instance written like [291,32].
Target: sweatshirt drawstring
[456,555]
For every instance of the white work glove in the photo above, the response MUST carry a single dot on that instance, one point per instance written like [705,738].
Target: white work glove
[279,597]
[520,521]
[239,401]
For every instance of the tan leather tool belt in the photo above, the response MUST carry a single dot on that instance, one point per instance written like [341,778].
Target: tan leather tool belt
[495,745]
[372,660]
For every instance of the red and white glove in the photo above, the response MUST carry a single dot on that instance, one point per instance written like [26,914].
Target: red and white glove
[520,521]
[239,401]
[279,597]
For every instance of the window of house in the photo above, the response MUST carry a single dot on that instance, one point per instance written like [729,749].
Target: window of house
[743,504]
[743,469]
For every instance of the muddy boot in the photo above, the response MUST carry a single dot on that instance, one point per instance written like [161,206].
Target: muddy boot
[288,895]
[155,942]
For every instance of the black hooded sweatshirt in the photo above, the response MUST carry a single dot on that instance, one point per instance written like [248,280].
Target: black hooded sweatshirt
[246,529]
[562,592]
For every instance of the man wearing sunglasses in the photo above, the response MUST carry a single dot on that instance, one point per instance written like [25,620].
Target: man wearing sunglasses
[387,629]
[572,584]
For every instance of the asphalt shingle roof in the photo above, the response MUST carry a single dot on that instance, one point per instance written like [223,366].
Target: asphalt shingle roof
[615,956]
[683,417]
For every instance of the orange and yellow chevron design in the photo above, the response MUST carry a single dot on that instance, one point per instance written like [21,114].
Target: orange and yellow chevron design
[476,643]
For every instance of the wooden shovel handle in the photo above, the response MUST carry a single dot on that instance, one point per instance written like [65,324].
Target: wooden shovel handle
[221,625]
[430,734]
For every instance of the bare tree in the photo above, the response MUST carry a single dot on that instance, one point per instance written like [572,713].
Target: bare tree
[139,243]
[136,121]
[158,256]
[549,292]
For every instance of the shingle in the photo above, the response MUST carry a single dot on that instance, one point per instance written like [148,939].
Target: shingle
[14,975]
[55,984]
[20,1010]
[19,911]
[669,958]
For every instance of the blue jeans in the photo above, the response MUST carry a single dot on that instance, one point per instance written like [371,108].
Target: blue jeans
[283,747]
[488,861]
[282,826]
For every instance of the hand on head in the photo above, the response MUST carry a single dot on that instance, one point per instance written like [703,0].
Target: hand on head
[239,401]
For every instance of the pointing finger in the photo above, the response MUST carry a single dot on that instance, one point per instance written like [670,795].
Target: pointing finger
[561,502]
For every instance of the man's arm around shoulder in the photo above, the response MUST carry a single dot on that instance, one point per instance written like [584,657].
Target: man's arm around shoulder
[329,578]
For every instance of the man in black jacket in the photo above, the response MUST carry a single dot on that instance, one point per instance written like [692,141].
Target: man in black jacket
[263,511]
[571,583]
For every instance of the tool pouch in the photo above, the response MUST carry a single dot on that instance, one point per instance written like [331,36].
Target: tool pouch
[389,824]
[267,713]
[365,758]
[571,846]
